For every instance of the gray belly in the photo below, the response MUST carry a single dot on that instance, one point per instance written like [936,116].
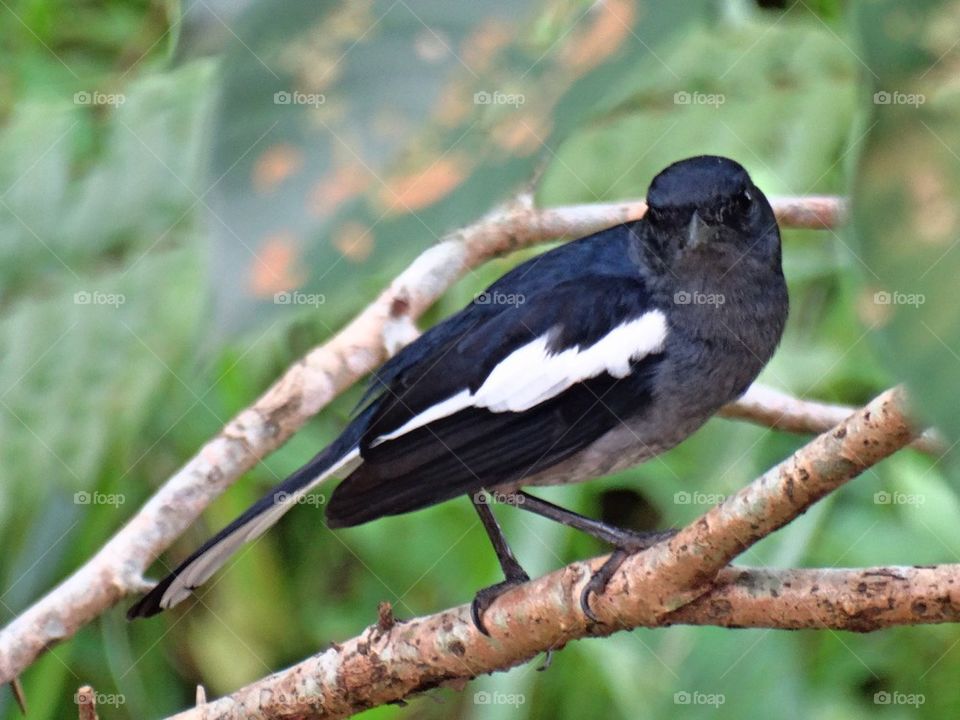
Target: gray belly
[630,443]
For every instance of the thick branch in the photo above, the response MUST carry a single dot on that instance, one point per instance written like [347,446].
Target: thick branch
[858,600]
[382,666]
[676,581]
[117,569]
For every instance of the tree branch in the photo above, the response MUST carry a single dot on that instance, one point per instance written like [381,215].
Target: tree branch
[414,656]
[683,580]
[117,569]
[86,700]
[774,409]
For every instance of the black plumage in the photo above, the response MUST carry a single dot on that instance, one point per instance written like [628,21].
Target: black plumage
[477,448]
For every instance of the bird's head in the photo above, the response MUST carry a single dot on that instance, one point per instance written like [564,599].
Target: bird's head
[708,206]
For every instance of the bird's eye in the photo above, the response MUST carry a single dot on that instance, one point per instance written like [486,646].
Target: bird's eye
[744,201]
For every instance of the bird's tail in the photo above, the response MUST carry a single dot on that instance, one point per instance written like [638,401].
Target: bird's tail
[339,459]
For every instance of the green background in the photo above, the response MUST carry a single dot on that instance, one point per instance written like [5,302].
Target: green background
[131,201]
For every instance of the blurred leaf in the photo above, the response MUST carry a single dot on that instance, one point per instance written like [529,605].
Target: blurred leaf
[779,99]
[351,137]
[906,218]
[101,298]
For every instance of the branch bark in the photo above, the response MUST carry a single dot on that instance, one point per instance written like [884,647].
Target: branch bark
[683,580]
[86,700]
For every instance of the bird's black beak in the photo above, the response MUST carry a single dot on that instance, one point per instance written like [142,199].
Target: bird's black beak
[699,232]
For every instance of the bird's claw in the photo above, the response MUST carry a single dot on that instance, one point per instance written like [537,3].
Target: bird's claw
[486,597]
[598,581]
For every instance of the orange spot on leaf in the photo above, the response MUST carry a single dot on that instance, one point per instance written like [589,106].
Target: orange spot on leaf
[482,45]
[521,135]
[276,268]
[275,165]
[605,34]
[355,241]
[422,188]
[342,184]
[453,105]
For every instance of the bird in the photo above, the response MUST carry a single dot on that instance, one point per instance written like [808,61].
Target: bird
[584,360]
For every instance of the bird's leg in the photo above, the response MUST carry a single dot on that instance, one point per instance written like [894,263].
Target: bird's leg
[513,573]
[626,542]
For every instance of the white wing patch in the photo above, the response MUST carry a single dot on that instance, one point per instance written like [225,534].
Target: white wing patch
[531,374]
[200,570]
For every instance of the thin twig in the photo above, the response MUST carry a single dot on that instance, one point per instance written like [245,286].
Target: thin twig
[86,700]
[778,410]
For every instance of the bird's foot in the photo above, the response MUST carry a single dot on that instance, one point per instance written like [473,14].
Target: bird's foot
[485,598]
[630,544]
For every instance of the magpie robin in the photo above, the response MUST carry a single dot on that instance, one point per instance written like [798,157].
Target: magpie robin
[610,350]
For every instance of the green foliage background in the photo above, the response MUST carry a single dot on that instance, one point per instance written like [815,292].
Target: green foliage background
[112,398]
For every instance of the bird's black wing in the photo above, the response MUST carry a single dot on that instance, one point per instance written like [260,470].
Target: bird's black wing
[508,391]
[605,254]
